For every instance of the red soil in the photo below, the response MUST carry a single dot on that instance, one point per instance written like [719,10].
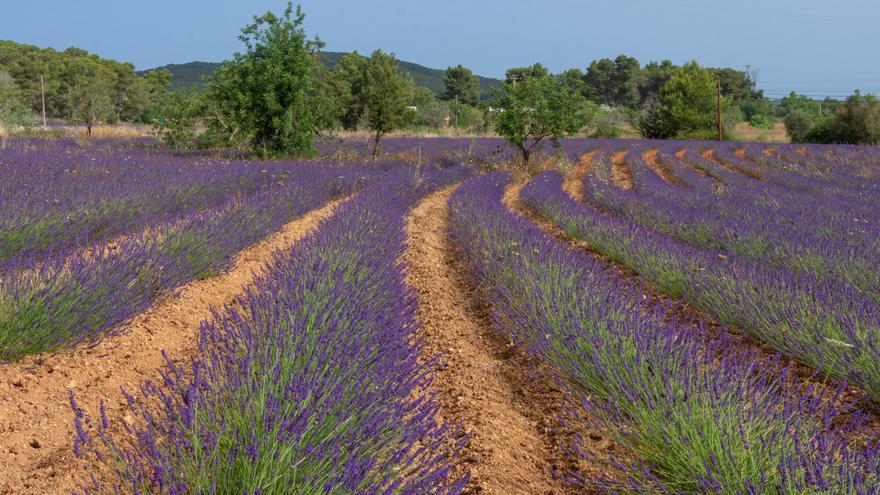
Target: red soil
[485,382]
[36,427]
[620,172]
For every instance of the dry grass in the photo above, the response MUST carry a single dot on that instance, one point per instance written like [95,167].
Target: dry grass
[745,132]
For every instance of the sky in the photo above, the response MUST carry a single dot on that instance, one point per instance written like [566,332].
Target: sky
[817,47]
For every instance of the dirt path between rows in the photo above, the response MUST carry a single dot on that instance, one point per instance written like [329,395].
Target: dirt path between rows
[484,381]
[651,159]
[620,172]
[575,184]
[36,428]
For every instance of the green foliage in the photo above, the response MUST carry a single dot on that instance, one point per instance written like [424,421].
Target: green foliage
[180,114]
[686,107]
[69,86]
[90,98]
[346,87]
[538,108]
[756,106]
[13,110]
[798,124]
[268,92]
[856,121]
[651,123]
[761,121]
[614,82]
[386,96]
[736,84]
[518,74]
[461,85]
[654,76]
[574,79]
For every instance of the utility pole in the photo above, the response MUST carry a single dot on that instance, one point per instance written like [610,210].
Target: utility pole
[718,99]
[43,95]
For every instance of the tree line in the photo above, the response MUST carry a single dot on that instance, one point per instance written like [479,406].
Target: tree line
[78,86]
[278,95]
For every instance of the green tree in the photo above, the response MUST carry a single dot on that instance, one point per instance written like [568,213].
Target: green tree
[856,121]
[599,81]
[573,79]
[614,82]
[89,93]
[347,82]
[736,84]
[688,102]
[537,109]
[654,76]
[461,85]
[518,74]
[268,92]
[13,109]
[798,124]
[386,95]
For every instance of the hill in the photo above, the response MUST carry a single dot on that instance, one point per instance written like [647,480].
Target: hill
[192,74]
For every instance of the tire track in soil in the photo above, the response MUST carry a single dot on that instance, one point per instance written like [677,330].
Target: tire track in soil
[500,396]
[36,422]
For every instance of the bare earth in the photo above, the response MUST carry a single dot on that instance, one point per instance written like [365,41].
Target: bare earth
[36,428]
[620,170]
[485,382]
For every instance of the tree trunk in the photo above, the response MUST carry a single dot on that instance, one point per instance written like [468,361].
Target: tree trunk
[376,145]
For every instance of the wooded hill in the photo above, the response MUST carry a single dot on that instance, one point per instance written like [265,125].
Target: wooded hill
[193,74]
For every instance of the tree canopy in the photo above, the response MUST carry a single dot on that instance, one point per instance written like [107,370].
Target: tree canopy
[462,85]
[538,108]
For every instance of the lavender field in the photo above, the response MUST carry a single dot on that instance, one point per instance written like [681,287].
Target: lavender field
[628,316]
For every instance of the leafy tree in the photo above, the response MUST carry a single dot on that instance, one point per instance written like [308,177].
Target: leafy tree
[430,112]
[180,114]
[386,96]
[268,92]
[461,85]
[651,123]
[798,124]
[13,109]
[89,93]
[347,82]
[599,81]
[688,102]
[132,96]
[856,121]
[614,82]
[760,121]
[518,74]
[654,76]
[536,109]
[736,84]
[573,79]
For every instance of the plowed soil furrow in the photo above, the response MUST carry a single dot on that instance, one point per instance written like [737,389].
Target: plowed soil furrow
[36,427]
[620,172]
[484,381]
[575,186]
[651,159]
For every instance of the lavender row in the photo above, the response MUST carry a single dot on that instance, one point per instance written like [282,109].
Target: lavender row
[748,218]
[62,198]
[316,385]
[694,422]
[818,323]
[68,301]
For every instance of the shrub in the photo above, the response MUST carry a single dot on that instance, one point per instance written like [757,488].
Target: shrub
[798,124]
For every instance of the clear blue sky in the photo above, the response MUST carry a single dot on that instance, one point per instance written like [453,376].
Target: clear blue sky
[818,47]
